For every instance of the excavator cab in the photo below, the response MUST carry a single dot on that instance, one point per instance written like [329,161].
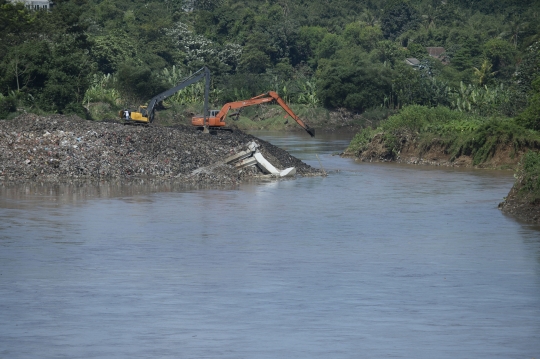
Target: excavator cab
[140,116]
[145,115]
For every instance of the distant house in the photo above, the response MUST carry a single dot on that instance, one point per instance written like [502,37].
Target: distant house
[439,53]
[36,4]
[411,61]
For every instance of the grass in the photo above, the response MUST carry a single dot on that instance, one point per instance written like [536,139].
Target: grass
[456,132]
[529,176]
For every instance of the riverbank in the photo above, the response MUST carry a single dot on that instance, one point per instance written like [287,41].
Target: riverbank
[441,137]
[519,206]
[520,202]
[523,200]
[411,149]
[57,148]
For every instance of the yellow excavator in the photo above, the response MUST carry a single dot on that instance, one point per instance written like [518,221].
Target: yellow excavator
[145,114]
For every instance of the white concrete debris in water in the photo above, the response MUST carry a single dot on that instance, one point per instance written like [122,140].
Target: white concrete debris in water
[252,157]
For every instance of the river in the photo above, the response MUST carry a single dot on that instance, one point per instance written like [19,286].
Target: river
[372,261]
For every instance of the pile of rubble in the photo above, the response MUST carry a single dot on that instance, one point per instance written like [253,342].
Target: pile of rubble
[57,148]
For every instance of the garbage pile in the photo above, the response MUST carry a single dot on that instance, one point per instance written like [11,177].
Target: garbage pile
[58,147]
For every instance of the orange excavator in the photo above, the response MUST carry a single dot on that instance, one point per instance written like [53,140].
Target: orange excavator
[216,118]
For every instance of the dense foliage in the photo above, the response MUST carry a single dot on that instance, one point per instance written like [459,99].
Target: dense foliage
[456,133]
[529,177]
[338,54]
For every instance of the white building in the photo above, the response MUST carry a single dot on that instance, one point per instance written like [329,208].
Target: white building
[36,4]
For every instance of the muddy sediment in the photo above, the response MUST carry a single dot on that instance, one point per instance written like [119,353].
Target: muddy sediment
[517,205]
[59,148]
[521,204]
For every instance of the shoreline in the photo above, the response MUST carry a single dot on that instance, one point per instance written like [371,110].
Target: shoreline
[504,158]
[59,148]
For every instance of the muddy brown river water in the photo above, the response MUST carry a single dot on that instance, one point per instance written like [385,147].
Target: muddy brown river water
[373,261]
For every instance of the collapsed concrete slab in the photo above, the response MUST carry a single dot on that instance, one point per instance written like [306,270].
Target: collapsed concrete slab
[252,157]
[269,168]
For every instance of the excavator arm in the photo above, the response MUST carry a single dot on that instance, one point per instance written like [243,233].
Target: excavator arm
[287,109]
[146,113]
[219,119]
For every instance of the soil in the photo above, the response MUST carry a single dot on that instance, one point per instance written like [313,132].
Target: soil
[517,204]
[504,157]
[59,148]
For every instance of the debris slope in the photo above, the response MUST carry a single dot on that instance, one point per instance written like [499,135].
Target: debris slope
[58,147]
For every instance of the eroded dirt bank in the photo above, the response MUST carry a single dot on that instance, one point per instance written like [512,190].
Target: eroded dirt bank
[56,148]
[410,151]
[518,205]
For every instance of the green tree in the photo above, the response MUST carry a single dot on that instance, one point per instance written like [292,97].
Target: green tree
[360,34]
[137,83]
[353,83]
[254,60]
[14,21]
[369,37]
[257,54]
[25,67]
[530,118]
[68,76]
[388,52]
[398,17]
[501,55]
[112,49]
[466,53]
[328,46]
[516,28]
[417,50]
[308,39]
[351,34]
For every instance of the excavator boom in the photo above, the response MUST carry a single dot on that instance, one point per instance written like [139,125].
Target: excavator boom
[146,113]
[218,119]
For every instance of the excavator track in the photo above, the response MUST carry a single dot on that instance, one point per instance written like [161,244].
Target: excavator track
[228,129]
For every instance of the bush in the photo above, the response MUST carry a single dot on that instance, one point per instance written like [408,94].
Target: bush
[530,118]
[8,104]
[529,173]
[423,119]
[75,108]
[458,133]
[361,140]
[375,115]
[137,83]
[355,84]
[482,143]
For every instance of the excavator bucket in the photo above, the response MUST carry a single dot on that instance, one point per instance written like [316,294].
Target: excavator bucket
[311,131]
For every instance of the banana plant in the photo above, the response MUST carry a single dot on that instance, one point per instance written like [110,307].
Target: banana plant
[102,90]
[308,94]
[479,100]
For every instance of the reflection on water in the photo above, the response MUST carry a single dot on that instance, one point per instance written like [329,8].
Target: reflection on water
[375,260]
[25,194]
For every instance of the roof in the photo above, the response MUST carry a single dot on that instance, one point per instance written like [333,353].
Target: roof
[412,61]
[435,51]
